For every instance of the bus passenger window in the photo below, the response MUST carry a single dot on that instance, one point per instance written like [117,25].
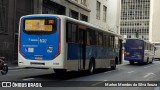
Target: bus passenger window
[72,34]
[88,38]
[69,32]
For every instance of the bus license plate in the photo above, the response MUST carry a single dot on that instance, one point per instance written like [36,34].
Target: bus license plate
[38,58]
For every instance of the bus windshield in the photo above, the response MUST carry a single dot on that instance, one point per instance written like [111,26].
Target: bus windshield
[39,25]
[134,44]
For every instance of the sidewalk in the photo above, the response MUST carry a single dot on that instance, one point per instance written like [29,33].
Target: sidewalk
[13,67]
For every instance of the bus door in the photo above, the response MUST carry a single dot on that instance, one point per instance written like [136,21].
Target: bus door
[82,48]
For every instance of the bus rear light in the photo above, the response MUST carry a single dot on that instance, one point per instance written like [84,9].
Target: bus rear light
[127,53]
[124,53]
[55,56]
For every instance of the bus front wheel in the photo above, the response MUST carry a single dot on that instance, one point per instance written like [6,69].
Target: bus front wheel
[91,68]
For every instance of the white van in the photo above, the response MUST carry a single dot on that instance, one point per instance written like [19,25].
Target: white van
[157,51]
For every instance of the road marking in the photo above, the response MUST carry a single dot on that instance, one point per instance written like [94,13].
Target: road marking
[130,72]
[148,66]
[157,88]
[112,71]
[27,79]
[14,70]
[98,83]
[148,74]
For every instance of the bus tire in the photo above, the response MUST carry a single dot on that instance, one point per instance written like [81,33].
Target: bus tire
[152,60]
[60,70]
[147,61]
[91,68]
[113,67]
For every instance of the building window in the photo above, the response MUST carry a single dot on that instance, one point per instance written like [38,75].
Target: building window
[50,7]
[98,10]
[84,2]
[74,14]
[104,13]
[84,18]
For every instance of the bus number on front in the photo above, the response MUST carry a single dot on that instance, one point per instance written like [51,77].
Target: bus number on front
[43,40]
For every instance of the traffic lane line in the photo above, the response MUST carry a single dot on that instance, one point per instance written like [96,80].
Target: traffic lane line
[27,79]
[112,71]
[130,72]
[148,75]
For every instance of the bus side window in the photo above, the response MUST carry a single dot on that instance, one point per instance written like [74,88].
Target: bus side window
[72,34]
[91,37]
[88,38]
[96,38]
[69,32]
[104,39]
[111,41]
[100,39]
[107,40]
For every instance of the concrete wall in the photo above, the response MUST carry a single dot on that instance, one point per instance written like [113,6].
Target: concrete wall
[155,35]
[113,14]
[92,7]
[72,5]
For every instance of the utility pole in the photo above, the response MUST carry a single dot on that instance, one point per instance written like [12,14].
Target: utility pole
[137,34]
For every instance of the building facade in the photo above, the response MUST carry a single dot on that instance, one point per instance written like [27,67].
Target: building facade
[155,18]
[77,9]
[10,13]
[98,12]
[135,18]
[113,15]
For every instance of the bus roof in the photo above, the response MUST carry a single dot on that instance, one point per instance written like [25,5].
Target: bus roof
[78,21]
[139,39]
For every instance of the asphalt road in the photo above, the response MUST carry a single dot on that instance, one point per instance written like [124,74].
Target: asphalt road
[124,72]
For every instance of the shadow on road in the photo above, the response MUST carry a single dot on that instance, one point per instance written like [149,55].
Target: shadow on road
[139,64]
[66,76]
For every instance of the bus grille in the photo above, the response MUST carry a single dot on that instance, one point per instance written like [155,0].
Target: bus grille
[37,63]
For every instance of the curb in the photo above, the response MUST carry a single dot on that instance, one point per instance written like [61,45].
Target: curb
[14,68]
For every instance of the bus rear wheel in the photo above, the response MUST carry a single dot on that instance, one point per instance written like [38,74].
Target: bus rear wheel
[152,60]
[113,67]
[147,61]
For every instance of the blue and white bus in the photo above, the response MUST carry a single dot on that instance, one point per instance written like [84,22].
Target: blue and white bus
[63,43]
[137,50]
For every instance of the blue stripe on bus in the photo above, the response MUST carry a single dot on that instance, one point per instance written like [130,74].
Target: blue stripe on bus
[91,51]
[134,59]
